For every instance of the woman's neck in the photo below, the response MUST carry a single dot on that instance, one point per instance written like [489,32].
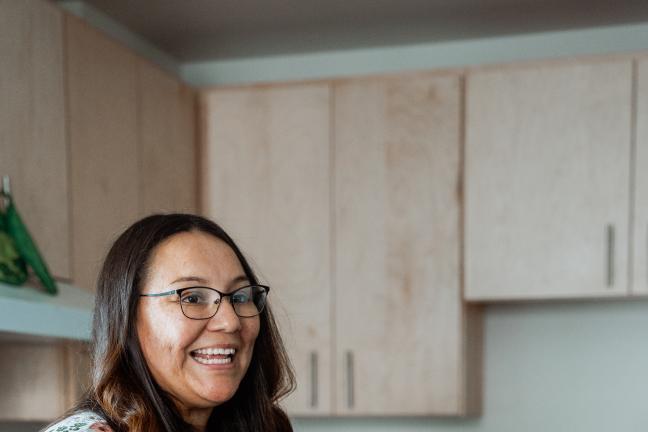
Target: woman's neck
[197,418]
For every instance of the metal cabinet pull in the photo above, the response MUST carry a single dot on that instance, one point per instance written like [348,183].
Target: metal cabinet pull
[610,255]
[5,191]
[350,379]
[313,377]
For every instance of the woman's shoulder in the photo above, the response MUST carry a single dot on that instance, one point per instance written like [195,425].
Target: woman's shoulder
[80,422]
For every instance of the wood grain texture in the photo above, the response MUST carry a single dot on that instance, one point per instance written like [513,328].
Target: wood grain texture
[547,157]
[399,307]
[33,149]
[167,140]
[265,178]
[33,382]
[103,126]
[76,370]
[640,217]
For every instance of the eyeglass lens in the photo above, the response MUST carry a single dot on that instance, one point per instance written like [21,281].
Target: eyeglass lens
[202,302]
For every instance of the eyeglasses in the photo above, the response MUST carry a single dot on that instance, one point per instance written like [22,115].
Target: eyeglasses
[200,302]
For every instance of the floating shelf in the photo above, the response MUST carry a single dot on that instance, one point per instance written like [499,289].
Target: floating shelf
[28,311]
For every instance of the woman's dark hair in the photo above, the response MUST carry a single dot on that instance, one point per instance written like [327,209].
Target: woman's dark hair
[122,388]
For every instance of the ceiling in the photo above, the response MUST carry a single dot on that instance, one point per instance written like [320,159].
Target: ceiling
[193,30]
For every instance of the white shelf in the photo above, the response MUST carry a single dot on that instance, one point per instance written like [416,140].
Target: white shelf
[28,311]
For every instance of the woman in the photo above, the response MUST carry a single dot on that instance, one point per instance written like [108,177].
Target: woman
[182,337]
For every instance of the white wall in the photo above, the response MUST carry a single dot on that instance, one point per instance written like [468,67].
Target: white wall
[600,40]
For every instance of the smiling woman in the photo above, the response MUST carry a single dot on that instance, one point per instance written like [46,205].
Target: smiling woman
[183,339]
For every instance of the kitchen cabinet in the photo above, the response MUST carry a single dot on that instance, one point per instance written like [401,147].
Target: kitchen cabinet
[33,149]
[265,176]
[405,342]
[41,379]
[548,150]
[43,354]
[349,204]
[132,144]
[640,169]
[167,142]
[92,140]
[104,168]
[41,376]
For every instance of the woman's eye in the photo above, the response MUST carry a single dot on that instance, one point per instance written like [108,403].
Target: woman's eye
[240,298]
[192,298]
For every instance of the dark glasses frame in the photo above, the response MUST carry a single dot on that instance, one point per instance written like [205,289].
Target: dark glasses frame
[179,292]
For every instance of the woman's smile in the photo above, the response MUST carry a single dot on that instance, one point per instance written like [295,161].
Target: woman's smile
[220,355]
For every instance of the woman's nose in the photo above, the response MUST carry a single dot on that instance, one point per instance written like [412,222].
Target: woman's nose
[225,319]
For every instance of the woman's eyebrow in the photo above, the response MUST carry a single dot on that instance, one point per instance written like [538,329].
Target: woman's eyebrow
[239,278]
[201,280]
[190,279]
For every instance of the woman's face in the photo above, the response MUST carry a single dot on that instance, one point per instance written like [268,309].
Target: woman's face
[170,341]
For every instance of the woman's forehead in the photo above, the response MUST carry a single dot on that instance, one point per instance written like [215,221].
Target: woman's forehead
[194,253]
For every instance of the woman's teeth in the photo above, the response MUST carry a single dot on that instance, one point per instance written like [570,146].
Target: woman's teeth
[213,361]
[216,351]
[207,355]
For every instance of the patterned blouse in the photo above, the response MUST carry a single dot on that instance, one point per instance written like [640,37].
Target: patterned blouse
[81,422]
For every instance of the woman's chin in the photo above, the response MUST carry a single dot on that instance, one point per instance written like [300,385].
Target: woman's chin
[219,395]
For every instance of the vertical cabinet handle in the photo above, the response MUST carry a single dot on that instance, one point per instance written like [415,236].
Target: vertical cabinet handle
[350,379]
[313,377]
[610,254]
[5,190]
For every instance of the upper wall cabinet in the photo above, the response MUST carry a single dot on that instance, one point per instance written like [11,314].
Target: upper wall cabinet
[33,148]
[348,200]
[132,144]
[167,136]
[102,93]
[548,151]
[640,237]
[265,177]
[402,330]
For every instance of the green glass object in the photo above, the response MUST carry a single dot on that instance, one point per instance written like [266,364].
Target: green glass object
[13,269]
[26,246]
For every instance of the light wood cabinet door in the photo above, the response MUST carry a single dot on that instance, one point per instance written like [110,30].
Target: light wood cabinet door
[33,149]
[265,176]
[167,142]
[103,129]
[640,216]
[37,386]
[402,345]
[547,173]
[41,379]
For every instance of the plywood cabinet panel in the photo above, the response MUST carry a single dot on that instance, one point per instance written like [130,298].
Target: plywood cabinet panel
[132,144]
[38,382]
[168,171]
[401,341]
[383,330]
[33,150]
[547,195]
[41,379]
[640,216]
[266,179]
[103,123]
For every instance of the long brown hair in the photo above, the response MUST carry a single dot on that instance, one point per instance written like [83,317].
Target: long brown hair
[123,389]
